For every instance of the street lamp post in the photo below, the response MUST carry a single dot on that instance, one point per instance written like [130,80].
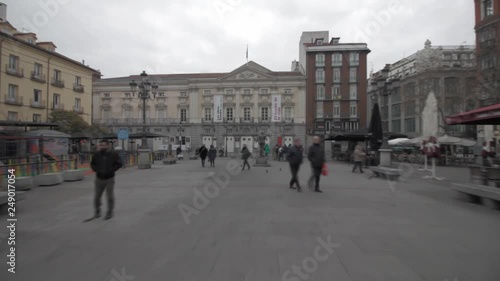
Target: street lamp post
[147,91]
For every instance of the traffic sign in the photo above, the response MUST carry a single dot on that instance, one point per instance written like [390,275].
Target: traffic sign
[123,134]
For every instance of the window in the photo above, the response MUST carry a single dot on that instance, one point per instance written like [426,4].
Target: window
[106,114]
[396,96]
[396,126]
[12,92]
[319,109]
[264,113]
[410,108]
[353,92]
[57,75]
[336,109]
[158,130]
[454,56]
[38,70]
[264,91]
[78,103]
[336,75]
[207,92]
[78,80]
[247,91]
[37,118]
[487,9]
[354,110]
[353,74]
[13,62]
[396,110]
[160,113]
[337,59]
[288,113]
[247,114]
[208,114]
[320,76]
[288,91]
[320,60]
[183,114]
[229,114]
[410,125]
[208,131]
[320,92]
[184,94]
[12,116]
[336,92]
[354,59]
[127,112]
[37,96]
[229,92]
[487,62]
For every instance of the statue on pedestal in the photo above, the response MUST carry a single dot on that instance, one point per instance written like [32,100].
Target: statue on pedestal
[262,143]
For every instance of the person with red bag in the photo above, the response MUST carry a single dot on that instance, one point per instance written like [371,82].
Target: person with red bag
[316,156]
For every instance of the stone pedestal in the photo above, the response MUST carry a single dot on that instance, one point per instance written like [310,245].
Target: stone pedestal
[262,162]
[144,158]
[385,157]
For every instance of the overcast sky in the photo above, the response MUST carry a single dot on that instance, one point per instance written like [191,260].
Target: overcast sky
[124,37]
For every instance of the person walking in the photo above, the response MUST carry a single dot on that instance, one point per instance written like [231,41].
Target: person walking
[295,158]
[359,155]
[212,153]
[203,154]
[245,154]
[104,163]
[266,149]
[316,156]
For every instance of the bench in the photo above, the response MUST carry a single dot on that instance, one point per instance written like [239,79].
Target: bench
[169,161]
[477,193]
[386,173]
[48,179]
[72,175]
[21,183]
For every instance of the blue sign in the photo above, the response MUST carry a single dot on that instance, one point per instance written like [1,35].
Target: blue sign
[123,134]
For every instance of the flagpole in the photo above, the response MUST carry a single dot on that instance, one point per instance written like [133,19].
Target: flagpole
[247,54]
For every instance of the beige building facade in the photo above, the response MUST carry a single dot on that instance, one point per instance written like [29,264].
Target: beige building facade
[35,79]
[252,98]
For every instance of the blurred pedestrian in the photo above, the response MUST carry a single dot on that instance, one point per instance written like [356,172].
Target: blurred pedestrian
[203,154]
[212,153]
[316,156]
[295,158]
[245,154]
[359,156]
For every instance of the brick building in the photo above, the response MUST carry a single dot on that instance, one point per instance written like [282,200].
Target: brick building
[336,83]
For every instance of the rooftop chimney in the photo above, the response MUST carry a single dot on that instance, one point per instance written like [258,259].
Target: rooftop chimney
[3,12]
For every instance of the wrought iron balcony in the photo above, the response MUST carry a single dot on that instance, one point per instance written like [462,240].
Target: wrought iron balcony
[14,100]
[229,120]
[57,83]
[248,120]
[78,88]
[14,71]
[37,104]
[38,77]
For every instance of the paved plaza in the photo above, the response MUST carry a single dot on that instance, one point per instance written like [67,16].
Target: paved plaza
[250,226]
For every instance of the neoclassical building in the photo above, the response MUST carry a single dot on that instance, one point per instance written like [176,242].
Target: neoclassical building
[220,109]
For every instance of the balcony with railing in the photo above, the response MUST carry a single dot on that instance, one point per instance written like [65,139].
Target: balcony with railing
[38,77]
[78,109]
[229,120]
[78,88]
[14,71]
[57,83]
[207,120]
[263,120]
[37,104]
[287,120]
[139,121]
[247,120]
[58,106]
[14,100]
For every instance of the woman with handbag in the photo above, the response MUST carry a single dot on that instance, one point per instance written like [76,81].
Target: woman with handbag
[316,156]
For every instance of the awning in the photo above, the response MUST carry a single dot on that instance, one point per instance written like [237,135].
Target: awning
[489,115]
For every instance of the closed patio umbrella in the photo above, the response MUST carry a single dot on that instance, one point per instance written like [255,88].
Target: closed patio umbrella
[375,130]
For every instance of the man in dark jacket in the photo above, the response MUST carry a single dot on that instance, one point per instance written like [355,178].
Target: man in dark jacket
[245,154]
[316,156]
[294,158]
[105,163]
[203,154]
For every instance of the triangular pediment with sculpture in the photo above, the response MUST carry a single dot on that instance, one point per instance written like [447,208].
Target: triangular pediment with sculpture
[249,71]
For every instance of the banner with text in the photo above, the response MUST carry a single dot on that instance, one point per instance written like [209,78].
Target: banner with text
[218,113]
[276,110]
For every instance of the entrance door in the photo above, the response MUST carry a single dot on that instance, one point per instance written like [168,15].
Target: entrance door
[207,141]
[230,144]
[288,141]
[248,141]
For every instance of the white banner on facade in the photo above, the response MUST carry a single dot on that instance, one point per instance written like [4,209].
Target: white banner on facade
[218,110]
[276,110]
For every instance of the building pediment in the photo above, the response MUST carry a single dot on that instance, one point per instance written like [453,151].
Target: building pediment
[249,71]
